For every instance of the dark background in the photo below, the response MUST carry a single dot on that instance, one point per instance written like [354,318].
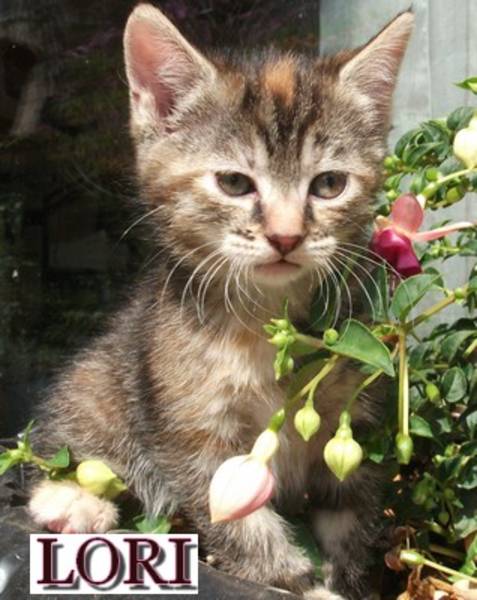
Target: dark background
[66,168]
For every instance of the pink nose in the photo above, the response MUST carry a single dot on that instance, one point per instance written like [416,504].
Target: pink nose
[284,243]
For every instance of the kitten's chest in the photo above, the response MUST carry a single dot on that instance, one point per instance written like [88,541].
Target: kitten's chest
[245,396]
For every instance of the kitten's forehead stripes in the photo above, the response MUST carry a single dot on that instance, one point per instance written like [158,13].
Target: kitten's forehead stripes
[279,80]
[281,103]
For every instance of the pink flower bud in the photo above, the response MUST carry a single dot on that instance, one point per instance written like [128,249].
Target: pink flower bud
[240,486]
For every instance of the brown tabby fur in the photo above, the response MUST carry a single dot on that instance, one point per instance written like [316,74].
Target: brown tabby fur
[183,378]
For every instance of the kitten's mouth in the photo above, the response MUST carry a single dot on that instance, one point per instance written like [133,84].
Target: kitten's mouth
[278,267]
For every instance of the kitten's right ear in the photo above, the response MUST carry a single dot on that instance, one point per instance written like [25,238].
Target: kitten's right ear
[161,66]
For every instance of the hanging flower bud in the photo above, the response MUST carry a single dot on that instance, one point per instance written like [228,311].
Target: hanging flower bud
[307,422]
[411,558]
[433,393]
[343,454]
[404,448]
[330,337]
[97,478]
[465,144]
[280,339]
[240,486]
[265,445]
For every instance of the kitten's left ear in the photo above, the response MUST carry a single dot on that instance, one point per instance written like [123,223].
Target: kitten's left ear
[373,70]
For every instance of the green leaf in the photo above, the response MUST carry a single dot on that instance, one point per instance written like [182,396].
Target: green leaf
[420,427]
[451,165]
[465,521]
[471,554]
[471,421]
[460,117]
[25,438]
[454,385]
[144,524]
[61,460]
[468,84]
[377,447]
[468,476]
[451,344]
[413,155]
[404,141]
[409,292]
[6,462]
[358,342]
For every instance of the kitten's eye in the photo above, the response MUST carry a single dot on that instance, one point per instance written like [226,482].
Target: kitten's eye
[235,184]
[328,184]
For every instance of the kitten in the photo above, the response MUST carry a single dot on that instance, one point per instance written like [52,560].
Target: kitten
[258,175]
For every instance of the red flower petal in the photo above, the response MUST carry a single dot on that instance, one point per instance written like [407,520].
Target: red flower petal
[407,213]
[397,250]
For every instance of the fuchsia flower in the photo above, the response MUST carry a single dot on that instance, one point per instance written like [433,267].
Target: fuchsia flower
[242,484]
[393,236]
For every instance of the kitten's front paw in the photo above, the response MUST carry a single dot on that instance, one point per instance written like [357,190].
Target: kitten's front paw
[319,592]
[64,507]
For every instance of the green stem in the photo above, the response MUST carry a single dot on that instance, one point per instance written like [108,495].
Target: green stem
[39,462]
[468,351]
[403,401]
[446,552]
[448,570]
[311,386]
[432,188]
[435,308]
[277,420]
[309,340]
[363,385]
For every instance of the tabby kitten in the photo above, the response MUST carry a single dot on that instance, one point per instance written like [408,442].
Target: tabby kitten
[258,173]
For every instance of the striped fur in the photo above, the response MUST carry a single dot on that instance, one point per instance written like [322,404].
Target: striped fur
[183,377]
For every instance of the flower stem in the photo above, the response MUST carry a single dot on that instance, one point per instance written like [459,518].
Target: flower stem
[309,340]
[403,403]
[435,308]
[432,188]
[363,385]
[468,351]
[448,570]
[311,386]
[447,552]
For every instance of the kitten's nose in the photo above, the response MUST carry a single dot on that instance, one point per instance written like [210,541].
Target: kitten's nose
[284,243]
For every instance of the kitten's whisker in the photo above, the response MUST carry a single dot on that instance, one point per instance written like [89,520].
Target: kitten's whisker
[137,221]
[345,264]
[176,266]
[205,284]
[343,254]
[344,284]
[323,287]
[245,269]
[240,289]
[378,262]
[151,258]
[228,301]
[191,277]
[338,294]
[254,283]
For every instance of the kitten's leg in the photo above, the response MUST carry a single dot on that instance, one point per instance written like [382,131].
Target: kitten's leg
[259,548]
[349,529]
[64,507]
